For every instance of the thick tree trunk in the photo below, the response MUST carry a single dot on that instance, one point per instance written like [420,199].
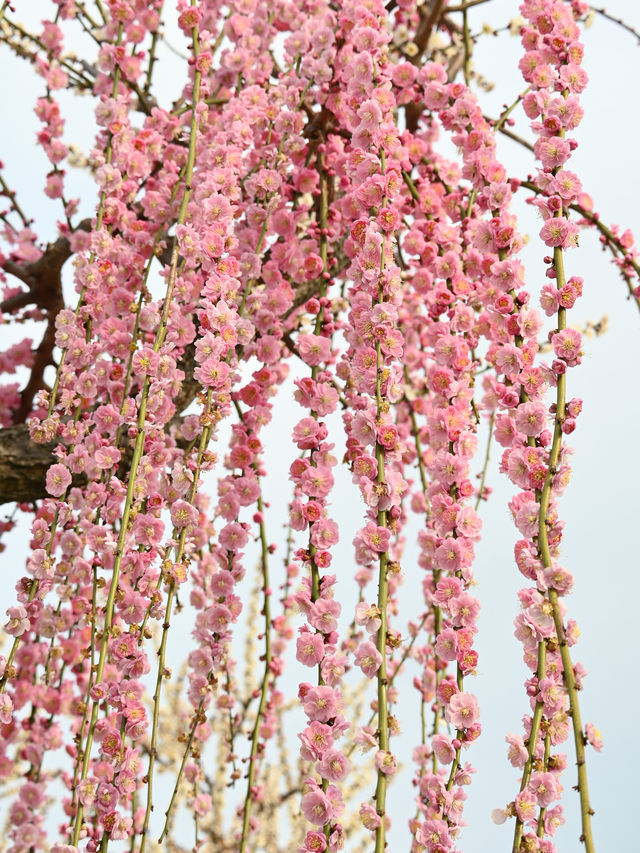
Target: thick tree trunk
[23,466]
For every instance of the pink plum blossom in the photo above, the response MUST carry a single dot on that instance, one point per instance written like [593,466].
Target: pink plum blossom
[462,710]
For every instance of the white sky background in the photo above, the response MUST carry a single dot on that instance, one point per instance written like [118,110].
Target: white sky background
[600,506]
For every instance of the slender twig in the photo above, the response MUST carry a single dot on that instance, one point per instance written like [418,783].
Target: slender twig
[469,4]
[266,680]
[383,589]
[14,204]
[547,562]
[611,238]
[466,65]
[485,467]
[198,719]
[516,138]
[428,20]
[146,88]
[4,9]
[532,742]
[609,17]
[396,671]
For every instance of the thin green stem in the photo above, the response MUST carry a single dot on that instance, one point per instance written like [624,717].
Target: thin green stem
[485,467]
[179,557]
[383,593]
[531,743]
[198,718]
[255,733]
[545,761]
[504,115]
[545,556]
[156,715]
[578,732]
[33,589]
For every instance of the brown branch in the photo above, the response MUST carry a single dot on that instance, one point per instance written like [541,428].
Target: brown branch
[428,21]
[609,238]
[44,289]
[23,466]
[609,17]
[519,139]
[10,194]
[42,359]
[17,301]
[467,5]
[43,276]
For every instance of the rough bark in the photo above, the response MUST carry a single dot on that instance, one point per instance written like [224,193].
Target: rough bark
[23,466]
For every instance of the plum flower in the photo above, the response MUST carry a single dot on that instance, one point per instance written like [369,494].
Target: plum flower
[314,842]
[370,818]
[313,349]
[58,480]
[526,805]
[368,658]
[499,816]
[183,514]
[6,708]
[324,533]
[462,710]
[531,418]
[309,648]
[566,345]
[315,740]
[316,807]
[334,765]
[558,231]
[386,762]
[370,115]
[593,736]
[377,538]
[544,786]
[369,616]
[517,753]
[320,703]
[18,621]
[434,834]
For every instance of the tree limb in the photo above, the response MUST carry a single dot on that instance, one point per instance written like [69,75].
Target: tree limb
[23,466]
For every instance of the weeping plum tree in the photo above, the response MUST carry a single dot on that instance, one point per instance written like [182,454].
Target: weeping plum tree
[321,214]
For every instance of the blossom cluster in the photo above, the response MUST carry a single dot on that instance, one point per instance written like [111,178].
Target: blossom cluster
[535,458]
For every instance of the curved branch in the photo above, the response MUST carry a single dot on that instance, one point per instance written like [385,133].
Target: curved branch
[609,17]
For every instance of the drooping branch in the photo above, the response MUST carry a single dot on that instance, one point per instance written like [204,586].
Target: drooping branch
[615,20]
